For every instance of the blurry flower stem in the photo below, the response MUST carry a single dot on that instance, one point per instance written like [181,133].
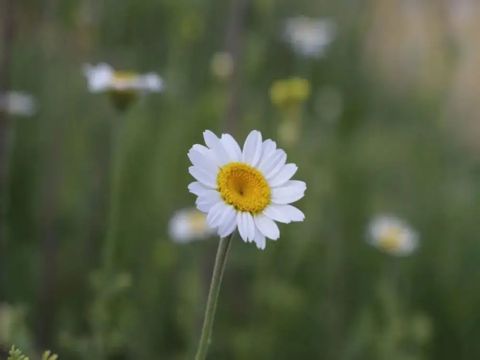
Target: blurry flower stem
[7,33]
[100,197]
[393,276]
[112,201]
[304,67]
[101,320]
[290,127]
[218,270]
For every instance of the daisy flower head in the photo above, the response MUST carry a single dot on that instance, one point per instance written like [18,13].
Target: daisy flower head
[188,225]
[123,86]
[309,37]
[247,189]
[392,235]
[17,103]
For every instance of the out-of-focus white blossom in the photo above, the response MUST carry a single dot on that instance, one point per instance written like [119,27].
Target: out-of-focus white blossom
[309,37]
[392,235]
[188,225]
[17,103]
[103,77]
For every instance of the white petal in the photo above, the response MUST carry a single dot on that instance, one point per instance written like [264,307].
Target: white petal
[99,77]
[210,138]
[207,200]
[276,161]
[202,161]
[152,82]
[250,225]
[292,191]
[200,148]
[209,197]
[242,227]
[229,222]
[267,226]
[275,212]
[283,175]
[231,147]
[268,149]
[277,165]
[197,188]
[252,149]
[292,212]
[215,214]
[206,178]
[205,151]
[213,142]
[259,239]
[221,154]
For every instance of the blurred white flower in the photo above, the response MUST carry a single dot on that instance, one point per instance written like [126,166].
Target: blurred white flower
[247,189]
[17,103]
[309,37]
[392,235]
[188,225]
[103,77]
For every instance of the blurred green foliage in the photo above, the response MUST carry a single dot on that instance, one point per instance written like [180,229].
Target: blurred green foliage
[81,172]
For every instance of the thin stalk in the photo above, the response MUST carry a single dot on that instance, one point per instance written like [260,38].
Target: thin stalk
[114,193]
[107,271]
[218,270]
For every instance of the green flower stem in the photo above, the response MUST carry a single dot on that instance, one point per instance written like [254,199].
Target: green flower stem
[113,197]
[219,268]
[103,296]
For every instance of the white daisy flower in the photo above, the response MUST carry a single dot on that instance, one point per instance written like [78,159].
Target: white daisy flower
[103,77]
[392,236]
[17,103]
[309,37]
[187,225]
[245,189]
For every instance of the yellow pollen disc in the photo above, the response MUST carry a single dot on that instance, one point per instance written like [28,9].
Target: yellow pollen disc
[391,239]
[122,93]
[243,187]
[124,75]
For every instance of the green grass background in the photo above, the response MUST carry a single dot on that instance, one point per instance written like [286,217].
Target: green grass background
[375,139]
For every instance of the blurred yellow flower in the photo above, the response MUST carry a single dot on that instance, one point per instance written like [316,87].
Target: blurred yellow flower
[289,93]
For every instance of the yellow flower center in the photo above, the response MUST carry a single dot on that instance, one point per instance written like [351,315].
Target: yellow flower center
[391,239]
[243,187]
[122,93]
[124,75]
